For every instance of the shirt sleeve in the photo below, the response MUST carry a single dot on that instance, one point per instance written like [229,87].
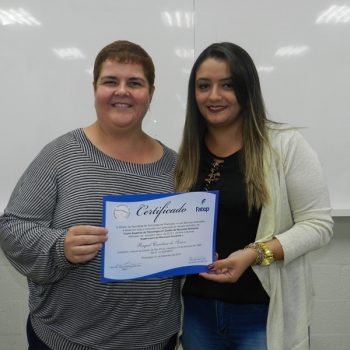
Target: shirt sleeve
[308,200]
[29,241]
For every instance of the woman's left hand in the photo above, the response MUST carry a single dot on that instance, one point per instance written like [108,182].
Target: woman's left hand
[229,270]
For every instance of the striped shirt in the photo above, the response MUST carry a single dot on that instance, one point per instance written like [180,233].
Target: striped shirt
[70,308]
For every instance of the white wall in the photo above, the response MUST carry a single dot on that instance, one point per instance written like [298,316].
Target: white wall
[13,307]
[331,274]
[44,95]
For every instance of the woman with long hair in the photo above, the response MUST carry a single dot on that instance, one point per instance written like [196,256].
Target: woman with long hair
[273,209]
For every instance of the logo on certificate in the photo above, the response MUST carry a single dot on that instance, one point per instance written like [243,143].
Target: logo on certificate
[202,208]
[121,212]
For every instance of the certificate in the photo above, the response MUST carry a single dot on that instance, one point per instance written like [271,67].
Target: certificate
[158,235]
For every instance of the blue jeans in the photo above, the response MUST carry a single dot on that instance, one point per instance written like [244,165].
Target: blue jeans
[215,325]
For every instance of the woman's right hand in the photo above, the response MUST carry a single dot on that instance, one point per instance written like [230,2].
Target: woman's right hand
[230,269]
[83,242]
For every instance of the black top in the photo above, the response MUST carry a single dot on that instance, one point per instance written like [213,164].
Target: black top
[235,229]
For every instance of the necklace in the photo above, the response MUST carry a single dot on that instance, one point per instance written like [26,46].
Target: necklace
[213,174]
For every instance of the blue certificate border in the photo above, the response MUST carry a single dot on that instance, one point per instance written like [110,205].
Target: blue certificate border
[179,271]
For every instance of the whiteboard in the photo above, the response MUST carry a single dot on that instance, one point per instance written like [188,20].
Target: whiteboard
[46,59]
[302,52]
[47,51]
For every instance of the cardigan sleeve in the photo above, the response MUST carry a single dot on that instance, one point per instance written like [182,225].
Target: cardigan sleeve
[29,242]
[307,196]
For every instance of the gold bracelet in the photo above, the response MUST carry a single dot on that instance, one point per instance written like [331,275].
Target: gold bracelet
[268,255]
[264,255]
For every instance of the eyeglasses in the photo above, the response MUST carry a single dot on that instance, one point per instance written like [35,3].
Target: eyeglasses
[213,175]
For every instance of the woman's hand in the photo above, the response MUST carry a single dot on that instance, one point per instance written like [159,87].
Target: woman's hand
[229,270]
[83,242]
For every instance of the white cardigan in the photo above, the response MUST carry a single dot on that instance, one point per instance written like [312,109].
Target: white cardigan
[299,216]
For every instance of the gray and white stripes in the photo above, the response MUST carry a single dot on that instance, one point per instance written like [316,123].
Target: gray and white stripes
[70,308]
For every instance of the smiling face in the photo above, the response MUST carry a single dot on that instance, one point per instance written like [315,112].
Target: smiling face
[215,96]
[122,96]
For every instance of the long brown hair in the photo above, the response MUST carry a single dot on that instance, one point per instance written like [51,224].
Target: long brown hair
[246,85]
